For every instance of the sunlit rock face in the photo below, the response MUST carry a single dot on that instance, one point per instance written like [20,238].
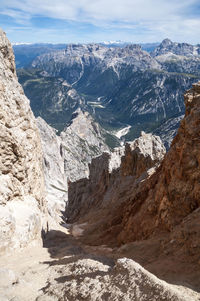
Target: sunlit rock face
[21,172]
[172,194]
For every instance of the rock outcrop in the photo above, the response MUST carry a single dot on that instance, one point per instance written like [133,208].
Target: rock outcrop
[90,279]
[21,173]
[82,140]
[147,205]
[54,173]
[173,192]
[111,176]
[153,216]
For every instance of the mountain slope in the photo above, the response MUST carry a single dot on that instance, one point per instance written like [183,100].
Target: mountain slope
[26,53]
[153,215]
[66,156]
[119,86]
[51,98]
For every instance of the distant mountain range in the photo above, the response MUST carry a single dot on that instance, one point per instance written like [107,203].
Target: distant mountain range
[119,85]
[25,53]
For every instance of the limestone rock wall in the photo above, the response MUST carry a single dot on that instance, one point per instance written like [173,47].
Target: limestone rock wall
[66,156]
[21,172]
[110,178]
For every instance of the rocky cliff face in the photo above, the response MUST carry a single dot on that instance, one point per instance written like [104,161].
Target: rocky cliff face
[144,205]
[152,215]
[66,156]
[110,178]
[173,192]
[21,175]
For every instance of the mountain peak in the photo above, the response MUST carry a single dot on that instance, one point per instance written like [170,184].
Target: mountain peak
[167,47]
[166,42]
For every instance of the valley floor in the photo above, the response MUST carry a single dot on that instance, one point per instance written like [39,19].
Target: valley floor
[65,269]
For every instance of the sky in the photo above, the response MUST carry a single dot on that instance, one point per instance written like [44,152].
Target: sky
[83,21]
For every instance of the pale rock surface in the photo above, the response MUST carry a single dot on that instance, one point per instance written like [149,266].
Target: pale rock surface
[66,156]
[93,280]
[82,140]
[55,176]
[115,158]
[66,270]
[21,173]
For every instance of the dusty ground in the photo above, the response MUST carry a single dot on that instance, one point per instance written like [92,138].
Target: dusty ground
[65,269]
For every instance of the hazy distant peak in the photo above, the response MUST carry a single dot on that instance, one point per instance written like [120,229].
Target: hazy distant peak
[173,48]
[166,42]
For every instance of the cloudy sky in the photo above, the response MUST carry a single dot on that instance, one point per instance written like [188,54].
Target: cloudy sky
[100,20]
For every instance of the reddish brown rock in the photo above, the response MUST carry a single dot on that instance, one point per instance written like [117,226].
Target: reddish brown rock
[174,191]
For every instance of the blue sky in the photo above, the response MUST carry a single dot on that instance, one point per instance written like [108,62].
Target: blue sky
[66,21]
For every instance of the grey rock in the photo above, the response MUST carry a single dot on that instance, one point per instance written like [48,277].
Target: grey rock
[66,156]
[184,49]
[77,57]
[106,183]
[21,172]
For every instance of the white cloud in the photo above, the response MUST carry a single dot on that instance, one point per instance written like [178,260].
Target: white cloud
[151,19]
[105,10]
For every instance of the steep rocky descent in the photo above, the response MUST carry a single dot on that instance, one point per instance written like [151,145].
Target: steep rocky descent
[66,270]
[173,192]
[162,201]
[66,156]
[111,175]
[155,219]
[163,209]
[21,173]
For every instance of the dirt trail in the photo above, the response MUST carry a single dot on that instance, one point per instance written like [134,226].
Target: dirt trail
[28,271]
[63,269]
